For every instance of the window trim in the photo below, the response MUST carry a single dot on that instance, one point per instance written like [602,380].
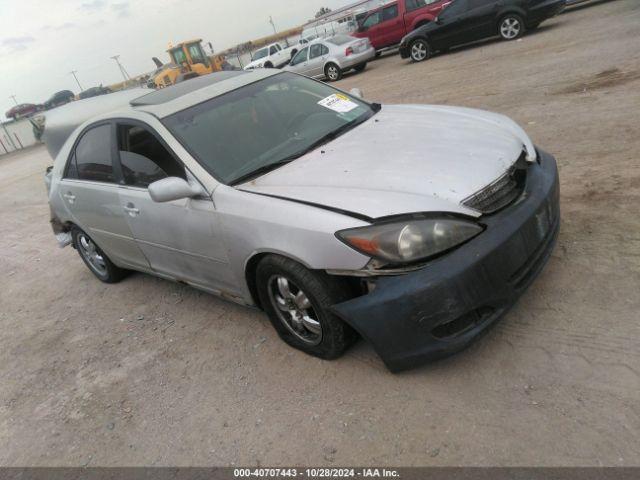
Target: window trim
[117,171]
[387,7]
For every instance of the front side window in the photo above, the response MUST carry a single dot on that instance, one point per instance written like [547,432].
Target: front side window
[273,50]
[300,57]
[91,159]
[143,158]
[263,125]
[455,8]
[390,12]
[178,56]
[372,20]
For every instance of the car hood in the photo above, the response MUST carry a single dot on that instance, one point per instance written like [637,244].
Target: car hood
[405,159]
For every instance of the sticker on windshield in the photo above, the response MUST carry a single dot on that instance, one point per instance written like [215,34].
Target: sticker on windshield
[338,103]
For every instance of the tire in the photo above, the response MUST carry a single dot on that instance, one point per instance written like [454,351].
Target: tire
[419,50]
[268,65]
[103,269]
[333,72]
[312,329]
[511,26]
[361,67]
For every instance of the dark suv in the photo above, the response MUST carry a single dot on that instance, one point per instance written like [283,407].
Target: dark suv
[466,21]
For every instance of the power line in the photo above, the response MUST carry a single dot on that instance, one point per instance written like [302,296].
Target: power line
[14,99]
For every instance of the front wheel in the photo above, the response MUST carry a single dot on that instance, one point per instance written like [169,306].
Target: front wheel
[333,72]
[94,258]
[419,50]
[297,302]
[511,27]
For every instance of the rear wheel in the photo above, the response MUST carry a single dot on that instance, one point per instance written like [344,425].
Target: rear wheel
[297,302]
[361,67]
[511,26]
[94,258]
[419,50]
[333,72]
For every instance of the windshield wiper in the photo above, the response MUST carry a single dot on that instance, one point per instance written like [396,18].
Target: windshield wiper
[290,158]
[260,171]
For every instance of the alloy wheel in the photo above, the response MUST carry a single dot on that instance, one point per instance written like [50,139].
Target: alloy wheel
[90,253]
[332,72]
[419,51]
[510,28]
[294,309]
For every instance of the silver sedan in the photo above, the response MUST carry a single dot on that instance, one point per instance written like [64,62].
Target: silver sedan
[329,58]
[414,227]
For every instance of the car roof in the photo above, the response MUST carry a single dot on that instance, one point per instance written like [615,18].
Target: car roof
[167,101]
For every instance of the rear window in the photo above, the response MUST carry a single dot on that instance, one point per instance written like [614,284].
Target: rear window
[340,39]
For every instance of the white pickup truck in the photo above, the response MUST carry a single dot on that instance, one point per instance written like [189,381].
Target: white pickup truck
[272,56]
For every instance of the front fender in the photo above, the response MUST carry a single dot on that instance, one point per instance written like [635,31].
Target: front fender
[421,20]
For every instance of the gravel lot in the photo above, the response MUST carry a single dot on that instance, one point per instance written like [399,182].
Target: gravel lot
[148,372]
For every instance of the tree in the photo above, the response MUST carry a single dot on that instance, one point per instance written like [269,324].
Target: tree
[323,11]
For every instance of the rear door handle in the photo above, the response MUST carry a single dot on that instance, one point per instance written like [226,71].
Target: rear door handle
[71,198]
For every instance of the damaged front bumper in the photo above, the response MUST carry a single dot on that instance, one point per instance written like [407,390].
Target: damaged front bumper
[440,309]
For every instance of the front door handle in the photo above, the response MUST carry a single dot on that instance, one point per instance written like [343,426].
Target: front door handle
[71,198]
[132,210]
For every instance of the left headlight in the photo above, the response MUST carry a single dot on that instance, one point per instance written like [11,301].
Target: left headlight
[411,240]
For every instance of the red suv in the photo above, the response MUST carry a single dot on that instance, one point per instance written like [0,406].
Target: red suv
[387,25]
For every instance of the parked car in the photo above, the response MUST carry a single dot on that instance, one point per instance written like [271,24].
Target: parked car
[413,226]
[271,56]
[59,98]
[94,92]
[332,57]
[22,110]
[466,21]
[385,26]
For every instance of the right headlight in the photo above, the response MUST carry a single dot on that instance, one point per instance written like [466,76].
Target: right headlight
[411,240]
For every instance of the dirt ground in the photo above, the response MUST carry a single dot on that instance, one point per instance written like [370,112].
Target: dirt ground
[148,372]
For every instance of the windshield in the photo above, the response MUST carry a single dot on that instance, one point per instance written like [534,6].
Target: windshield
[261,54]
[265,124]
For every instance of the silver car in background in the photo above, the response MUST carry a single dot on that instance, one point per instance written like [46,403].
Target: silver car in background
[329,58]
[414,227]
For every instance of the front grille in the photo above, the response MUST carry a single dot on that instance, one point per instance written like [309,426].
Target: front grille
[500,193]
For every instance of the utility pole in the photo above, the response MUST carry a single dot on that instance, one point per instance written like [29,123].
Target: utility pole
[272,24]
[122,70]
[14,99]
[73,72]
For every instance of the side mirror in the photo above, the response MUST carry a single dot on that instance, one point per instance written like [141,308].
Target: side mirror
[356,92]
[172,188]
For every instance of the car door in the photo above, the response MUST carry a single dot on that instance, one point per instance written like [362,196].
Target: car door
[89,190]
[453,23]
[392,25]
[181,239]
[318,54]
[371,25]
[274,55]
[299,63]
[480,19]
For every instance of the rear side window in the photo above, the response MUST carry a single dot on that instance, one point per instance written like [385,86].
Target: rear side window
[317,50]
[91,159]
[144,159]
[390,12]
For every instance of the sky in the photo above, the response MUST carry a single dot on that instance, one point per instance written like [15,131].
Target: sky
[41,42]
